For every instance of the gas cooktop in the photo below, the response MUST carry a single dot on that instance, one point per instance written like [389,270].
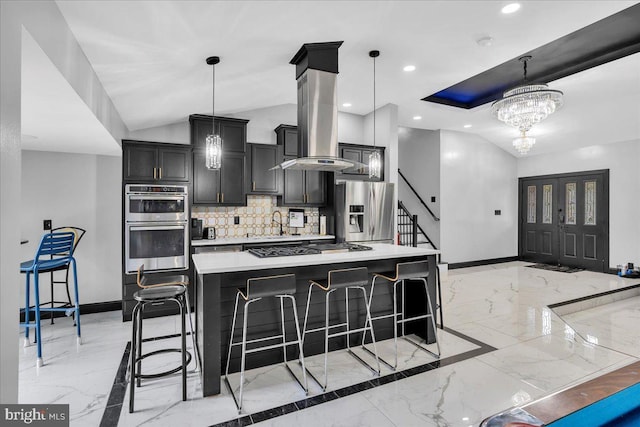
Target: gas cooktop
[278,251]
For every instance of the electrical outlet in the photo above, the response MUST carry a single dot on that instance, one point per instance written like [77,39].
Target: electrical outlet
[433,199]
[306,219]
[497,212]
[236,220]
[46,224]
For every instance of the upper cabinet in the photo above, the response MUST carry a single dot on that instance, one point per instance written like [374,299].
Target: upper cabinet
[359,153]
[261,179]
[225,186]
[300,187]
[287,137]
[232,131]
[155,162]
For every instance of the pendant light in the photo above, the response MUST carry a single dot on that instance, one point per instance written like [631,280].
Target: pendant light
[375,161]
[525,105]
[213,143]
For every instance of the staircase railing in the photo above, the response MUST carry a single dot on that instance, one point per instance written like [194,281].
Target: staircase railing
[408,228]
[435,218]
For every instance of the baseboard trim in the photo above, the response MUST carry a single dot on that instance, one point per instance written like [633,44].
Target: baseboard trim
[95,307]
[455,265]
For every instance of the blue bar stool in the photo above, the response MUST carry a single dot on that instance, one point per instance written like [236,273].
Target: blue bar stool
[350,278]
[58,248]
[281,286]
[414,271]
[167,288]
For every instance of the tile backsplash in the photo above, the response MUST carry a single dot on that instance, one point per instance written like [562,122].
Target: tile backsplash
[255,218]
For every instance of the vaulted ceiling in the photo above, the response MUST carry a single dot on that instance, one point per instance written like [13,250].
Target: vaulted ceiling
[150,58]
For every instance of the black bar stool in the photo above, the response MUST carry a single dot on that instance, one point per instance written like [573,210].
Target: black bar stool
[350,278]
[281,286]
[418,271]
[170,288]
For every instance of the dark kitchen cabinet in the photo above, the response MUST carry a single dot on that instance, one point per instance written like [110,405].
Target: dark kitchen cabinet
[300,187]
[359,153]
[303,188]
[232,131]
[287,137]
[156,162]
[225,186]
[261,179]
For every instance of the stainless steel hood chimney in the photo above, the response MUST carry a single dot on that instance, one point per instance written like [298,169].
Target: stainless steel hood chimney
[316,73]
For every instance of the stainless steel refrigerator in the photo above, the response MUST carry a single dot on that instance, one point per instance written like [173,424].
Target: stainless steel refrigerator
[364,211]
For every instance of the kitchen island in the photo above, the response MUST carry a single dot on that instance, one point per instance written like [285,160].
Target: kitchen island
[220,274]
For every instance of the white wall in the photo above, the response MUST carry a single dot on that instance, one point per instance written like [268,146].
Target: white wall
[476,178]
[623,161]
[10,79]
[419,161]
[174,133]
[49,29]
[260,128]
[77,190]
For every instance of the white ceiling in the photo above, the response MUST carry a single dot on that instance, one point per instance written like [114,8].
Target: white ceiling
[150,58]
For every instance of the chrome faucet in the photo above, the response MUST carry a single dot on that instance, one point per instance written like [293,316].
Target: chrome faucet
[273,220]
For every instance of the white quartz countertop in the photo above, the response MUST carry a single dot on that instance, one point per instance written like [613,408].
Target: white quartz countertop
[225,262]
[258,239]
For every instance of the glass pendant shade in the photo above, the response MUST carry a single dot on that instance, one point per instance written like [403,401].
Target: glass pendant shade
[213,143]
[523,143]
[526,105]
[375,164]
[213,154]
[375,160]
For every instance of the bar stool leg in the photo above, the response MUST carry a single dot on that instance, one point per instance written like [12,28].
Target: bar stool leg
[370,322]
[244,350]
[326,339]
[139,343]
[77,302]
[36,290]
[284,337]
[432,317]
[395,323]
[306,314]
[346,309]
[132,363]
[193,332]
[301,357]
[403,309]
[233,328]
[27,343]
[183,336]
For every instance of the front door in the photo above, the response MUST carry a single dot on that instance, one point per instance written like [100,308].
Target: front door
[564,219]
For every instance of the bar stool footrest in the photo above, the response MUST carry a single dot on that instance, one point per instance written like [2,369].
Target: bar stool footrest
[164,373]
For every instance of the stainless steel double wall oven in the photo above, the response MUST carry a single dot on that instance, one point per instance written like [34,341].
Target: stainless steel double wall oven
[156,227]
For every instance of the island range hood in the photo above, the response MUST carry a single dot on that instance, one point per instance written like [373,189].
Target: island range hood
[316,73]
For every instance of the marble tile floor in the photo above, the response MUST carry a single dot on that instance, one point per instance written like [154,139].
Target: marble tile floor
[502,305]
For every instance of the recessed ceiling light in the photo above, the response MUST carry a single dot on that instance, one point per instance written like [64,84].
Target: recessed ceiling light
[510,8]
[417,117]
[467,126]
[409,68]
[485,41]
[346,104]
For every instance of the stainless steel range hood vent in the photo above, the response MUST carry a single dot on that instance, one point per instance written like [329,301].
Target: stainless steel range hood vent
[317,72]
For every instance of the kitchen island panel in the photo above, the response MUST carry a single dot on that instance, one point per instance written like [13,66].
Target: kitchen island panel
[216,297]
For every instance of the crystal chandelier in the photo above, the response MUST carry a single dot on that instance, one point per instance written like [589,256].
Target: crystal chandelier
[527,104]
[375,161]
[523,143]
[213,143]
